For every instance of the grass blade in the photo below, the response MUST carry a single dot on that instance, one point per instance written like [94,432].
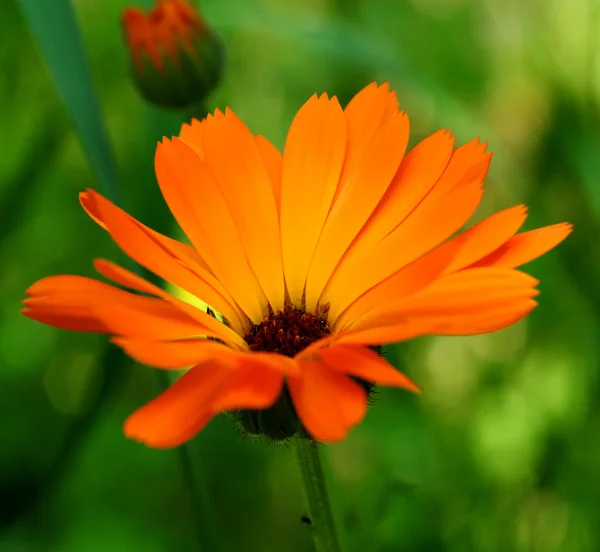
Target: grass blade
[55,29]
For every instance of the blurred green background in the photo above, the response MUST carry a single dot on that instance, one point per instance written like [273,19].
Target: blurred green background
[501,452]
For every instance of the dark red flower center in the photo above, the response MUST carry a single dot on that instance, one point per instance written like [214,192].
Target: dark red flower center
[287,332]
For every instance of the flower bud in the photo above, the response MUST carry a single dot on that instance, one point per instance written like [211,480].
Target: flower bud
[177,59]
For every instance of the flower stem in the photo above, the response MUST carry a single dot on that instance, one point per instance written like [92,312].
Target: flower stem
[319,508]
[192,472]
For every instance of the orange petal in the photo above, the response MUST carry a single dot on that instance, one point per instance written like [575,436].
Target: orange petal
[69,302]
[365,114]
[147,318]
[276,362]
[463,303]
[468,165]
[65,302]
[252,385]
[424,229]
[193,135]
[404,330]
[419,171]
[327,402]
[486,236]
[184,253]
[181,411]
[362,190]
[273,161]
[525,247]
[459,185]
[312,164]
[197,203]
[128,279]
[405,282]
[170,354]
[234,160]
[363,363]
[139,245]
[498,317]
[466,291]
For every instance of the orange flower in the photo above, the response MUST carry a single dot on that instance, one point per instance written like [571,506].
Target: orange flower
[341,243]
[177,58]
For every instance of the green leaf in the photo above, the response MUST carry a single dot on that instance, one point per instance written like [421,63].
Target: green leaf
[55,29]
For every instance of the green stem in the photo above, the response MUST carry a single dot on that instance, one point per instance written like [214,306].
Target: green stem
[205,525]
[319,508]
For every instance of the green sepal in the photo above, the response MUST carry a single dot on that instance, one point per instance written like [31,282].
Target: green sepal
[185,83]
[280,422]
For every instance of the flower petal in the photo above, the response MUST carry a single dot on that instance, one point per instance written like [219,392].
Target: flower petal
[65,302]
[469,164]
[131,237]
[184,253]
[146,317]
[428,172]
[363,363]
[193,135]
[128,279]
[461,292]
[498,317]
[180,412]
[312,163]
[82,304]
[486,236]
[170,355]
[327,402]
[362,190]
[273,161]
[420,169]
[234,160]
[527,246]
[365,114]
[252,385]
[463,303]
[405,282]
[417,174]
[423,230]
[196,202]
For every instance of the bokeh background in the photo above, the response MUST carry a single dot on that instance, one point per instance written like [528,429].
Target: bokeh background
[501,452]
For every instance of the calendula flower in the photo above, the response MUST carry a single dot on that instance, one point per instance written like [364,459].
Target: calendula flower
[310,258]
[177,58]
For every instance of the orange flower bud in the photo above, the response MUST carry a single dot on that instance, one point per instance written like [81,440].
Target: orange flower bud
[177,58]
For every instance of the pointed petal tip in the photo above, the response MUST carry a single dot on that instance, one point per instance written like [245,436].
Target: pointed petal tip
[566,227]
[415,389]
[165,142]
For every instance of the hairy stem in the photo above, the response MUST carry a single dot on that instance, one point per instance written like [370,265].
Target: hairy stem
[319,507]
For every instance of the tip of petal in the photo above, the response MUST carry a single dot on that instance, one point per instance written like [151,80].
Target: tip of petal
[564,227]
[483,146]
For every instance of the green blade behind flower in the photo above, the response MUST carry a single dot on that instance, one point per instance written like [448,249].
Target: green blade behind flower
[54,26]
